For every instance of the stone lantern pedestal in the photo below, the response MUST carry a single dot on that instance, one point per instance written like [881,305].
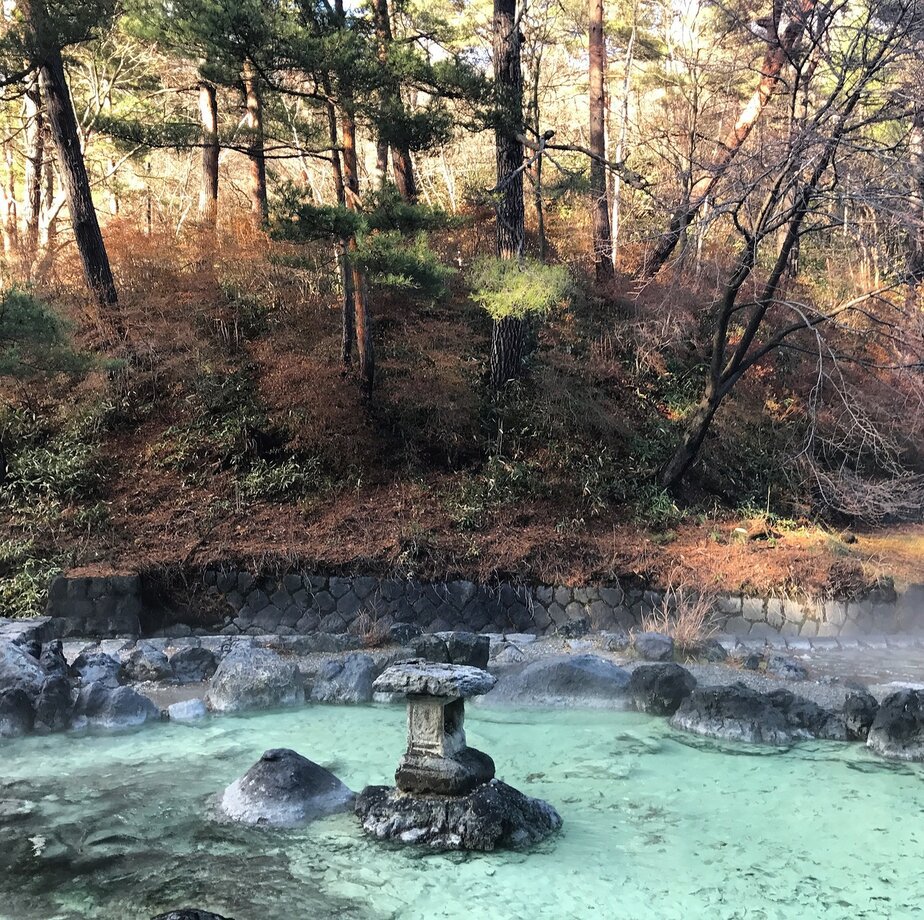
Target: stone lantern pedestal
[446,795]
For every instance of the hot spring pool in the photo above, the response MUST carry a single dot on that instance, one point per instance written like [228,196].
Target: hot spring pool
[657,825]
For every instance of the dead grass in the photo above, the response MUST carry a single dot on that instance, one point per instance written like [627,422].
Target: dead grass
[686,614]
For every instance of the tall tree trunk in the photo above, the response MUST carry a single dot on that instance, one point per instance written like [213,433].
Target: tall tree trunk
[779,51]
[362,326]
[255,152]
[208,189]
[916,151]
[35,154]
[508,339]
[342,250]
[405,180]
[73,170]
[619,153]
[600,210]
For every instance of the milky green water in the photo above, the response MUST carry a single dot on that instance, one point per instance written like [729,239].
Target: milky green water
[657,825]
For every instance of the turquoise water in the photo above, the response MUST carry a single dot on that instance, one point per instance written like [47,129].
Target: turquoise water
[657,825]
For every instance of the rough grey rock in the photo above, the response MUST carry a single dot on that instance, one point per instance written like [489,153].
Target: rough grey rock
[455,775]
[190,913]
[738,713]
[430,648]
[347,680]
[615,640]
[147,662]
[897,731]
[428,678]
[16,714]
[493,816]
[575,628]
[254,678]
[711,650]
[569,680]
[192,665]
[660,688]
[283,789]
[52,659]
[187,711]
[19,670]
[54,705]
[652,646]
[402,633]
[467,648]
[860,708]
[114,708]
[95,667]
[788,668]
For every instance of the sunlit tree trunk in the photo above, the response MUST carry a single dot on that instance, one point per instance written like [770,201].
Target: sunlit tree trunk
[916,150]
[63,124]
[508,337]
[255,153]
[620,150]
[600,211]
[208,188]
[779,51]
[35,154]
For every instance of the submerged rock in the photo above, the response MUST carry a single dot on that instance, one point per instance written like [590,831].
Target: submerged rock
[190,913]
[187,711]
[283,789]
[493,816]
[653,646]
[254,678]
[897,732]
[660,688]
[347,680]
[192,665]
[564,680]
[738,713]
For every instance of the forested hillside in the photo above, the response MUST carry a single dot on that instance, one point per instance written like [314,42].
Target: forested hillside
[550,289]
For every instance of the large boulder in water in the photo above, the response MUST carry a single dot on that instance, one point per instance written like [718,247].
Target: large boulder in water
[660,688]
[345,680]
[491,817]
[565,680]
[738,713]
[897,731]
[113,708]
[860,708]
[284,789]
[254,678]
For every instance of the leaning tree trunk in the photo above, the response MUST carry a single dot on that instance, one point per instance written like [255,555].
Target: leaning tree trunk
[508,339]
[73,170]
[35,154]
[916,241]
[255,152]
[779,52]
[600,211]
[208,188]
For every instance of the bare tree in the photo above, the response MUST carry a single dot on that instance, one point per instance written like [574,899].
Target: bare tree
[208,189]
[600,211]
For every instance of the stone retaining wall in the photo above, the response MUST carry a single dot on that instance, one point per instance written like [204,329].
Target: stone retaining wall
[235,602]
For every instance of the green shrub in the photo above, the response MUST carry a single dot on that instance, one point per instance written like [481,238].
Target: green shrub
[24,576]
[518,288]
[290,478]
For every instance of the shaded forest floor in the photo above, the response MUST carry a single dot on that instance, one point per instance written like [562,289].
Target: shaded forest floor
[231,433]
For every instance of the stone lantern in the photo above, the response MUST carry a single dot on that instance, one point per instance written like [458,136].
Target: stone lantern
[437,759]
[446,796]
